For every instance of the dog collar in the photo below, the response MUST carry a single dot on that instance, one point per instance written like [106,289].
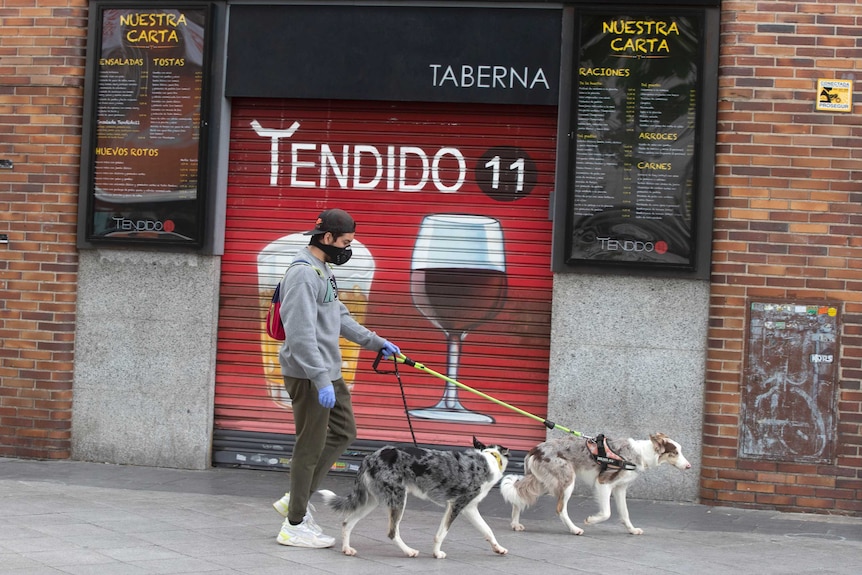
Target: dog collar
[497,456]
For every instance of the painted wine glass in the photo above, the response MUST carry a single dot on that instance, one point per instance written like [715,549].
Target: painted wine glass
[458,282]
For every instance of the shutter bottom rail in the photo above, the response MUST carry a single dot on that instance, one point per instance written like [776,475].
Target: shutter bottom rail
[273,451]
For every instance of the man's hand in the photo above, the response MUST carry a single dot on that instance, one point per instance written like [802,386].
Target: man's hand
[326,397]
[389,349]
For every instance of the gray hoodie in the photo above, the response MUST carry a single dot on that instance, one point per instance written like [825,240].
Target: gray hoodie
[313,319]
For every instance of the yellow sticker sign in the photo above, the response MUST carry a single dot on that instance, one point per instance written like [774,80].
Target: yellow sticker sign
[834,95]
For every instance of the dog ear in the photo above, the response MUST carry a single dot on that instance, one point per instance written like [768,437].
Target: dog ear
[504,451]
[659,442]
[478,444]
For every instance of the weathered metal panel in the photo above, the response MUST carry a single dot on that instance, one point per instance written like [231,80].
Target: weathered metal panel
[790,386]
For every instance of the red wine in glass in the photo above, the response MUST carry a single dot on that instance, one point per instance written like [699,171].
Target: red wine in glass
[458,282]
[458,300]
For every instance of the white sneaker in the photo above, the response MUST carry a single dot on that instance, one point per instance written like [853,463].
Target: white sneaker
[281,507]
[303,536]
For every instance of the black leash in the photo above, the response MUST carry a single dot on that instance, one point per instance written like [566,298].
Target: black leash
[401,385]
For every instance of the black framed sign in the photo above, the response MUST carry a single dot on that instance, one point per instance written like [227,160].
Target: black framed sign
[636,131]
[147,139]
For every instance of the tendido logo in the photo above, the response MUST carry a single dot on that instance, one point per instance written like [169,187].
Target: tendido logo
[616,245]
[127,225]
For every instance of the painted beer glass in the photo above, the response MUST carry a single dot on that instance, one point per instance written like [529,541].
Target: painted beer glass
[354,289]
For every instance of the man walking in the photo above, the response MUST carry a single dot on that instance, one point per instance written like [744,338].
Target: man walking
[310,359]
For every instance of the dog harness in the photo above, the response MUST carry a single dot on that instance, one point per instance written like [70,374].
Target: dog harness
[605,456]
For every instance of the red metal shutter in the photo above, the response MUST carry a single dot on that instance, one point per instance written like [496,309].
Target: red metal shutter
[472,182]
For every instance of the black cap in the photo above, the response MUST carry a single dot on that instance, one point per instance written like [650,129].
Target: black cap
[335,221]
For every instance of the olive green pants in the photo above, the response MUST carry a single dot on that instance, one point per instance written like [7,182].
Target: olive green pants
[322,435]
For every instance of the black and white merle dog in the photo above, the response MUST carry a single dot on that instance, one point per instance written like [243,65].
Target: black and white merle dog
[458,480]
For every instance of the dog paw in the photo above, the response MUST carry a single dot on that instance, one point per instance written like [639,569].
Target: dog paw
[636,531]
[440,554]
[593,519]
[518,527]
[348,550]
[576,531]
[500,550]
[413,552]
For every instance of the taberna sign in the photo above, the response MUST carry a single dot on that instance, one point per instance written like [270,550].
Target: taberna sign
[401,53]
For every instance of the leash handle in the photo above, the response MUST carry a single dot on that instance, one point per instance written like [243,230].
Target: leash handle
[376,363]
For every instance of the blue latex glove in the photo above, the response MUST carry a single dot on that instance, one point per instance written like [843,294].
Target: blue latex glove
[326,397]
[389,349]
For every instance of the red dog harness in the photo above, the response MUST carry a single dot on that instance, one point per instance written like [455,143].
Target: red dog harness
[605,456]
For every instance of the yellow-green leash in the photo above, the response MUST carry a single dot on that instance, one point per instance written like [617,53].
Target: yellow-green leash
[401,358]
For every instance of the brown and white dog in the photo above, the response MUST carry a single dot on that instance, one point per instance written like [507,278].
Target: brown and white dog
[552,466]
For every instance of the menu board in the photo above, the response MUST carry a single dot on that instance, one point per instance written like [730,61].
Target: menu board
[635,134]
[147,145]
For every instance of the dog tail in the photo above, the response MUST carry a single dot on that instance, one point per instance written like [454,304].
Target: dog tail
[521,491]
[346,504]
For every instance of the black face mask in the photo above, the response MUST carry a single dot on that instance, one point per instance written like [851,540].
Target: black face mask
[338,256]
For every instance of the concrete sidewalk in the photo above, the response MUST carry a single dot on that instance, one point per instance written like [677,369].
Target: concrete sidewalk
[90,518]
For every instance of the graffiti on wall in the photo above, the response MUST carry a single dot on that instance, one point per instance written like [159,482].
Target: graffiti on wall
[788,394]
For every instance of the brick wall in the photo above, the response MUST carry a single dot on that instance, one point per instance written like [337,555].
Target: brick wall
[788,226]
[41,87]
